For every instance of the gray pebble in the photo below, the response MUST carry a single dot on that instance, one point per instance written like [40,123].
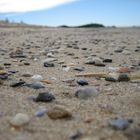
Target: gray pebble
[119,124]
[87,92]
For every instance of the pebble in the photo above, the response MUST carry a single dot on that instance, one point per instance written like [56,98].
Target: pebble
[17,84]
[79,69]
[19,119]
[82,82]
[41,112]
[119,124]
[123,77]
[111,79]
[37,77]
[118,50]
[36,85]
[107,60]
[3,77]
[48,64]
[87,92]
[45,97]
[59,112]
[76,135]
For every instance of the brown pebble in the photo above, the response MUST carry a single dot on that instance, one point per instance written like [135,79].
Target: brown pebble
[59,112]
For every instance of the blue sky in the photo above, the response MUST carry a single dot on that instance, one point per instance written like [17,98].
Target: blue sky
[77,12]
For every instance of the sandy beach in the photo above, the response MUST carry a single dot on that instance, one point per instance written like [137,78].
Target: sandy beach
[70,52]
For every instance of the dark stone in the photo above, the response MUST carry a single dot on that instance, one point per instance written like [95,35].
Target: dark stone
[107,60]
[82,82]
[44,97]
[7,64]
[124,77]
[3,77]
[111,79]
[18,56]
[26,63]
[12,71]
[48,64]
[79,69]
[84,49]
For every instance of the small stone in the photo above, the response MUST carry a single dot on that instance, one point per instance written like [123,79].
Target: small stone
[41,112]
[48,64]
[59,112]
[3,77]
[82,82]
[7,64]
[111,79]
[85,93]
[118,50]
[76,135]
[84,48]
[17,84]
[26,74]
[124,77]
[119,124]
[3,72]
[20,119]
[107,60]
[37,77]
[44,97]
[79,69]
[26,63]
[36,85]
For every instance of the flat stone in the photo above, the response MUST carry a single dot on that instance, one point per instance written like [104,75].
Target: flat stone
[19,119]
[17,84]
[48,64]
[87,92]
[119,124]
[3,77]
[37,77]
[59,112]
[82,82]
[107,60]
[36,85]
[45,97]
[123,77]
[111,79]
[79,69]
[118,50]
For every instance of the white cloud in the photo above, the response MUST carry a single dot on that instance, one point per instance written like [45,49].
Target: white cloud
[29,5]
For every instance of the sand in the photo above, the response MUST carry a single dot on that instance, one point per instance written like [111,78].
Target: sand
[88,117]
